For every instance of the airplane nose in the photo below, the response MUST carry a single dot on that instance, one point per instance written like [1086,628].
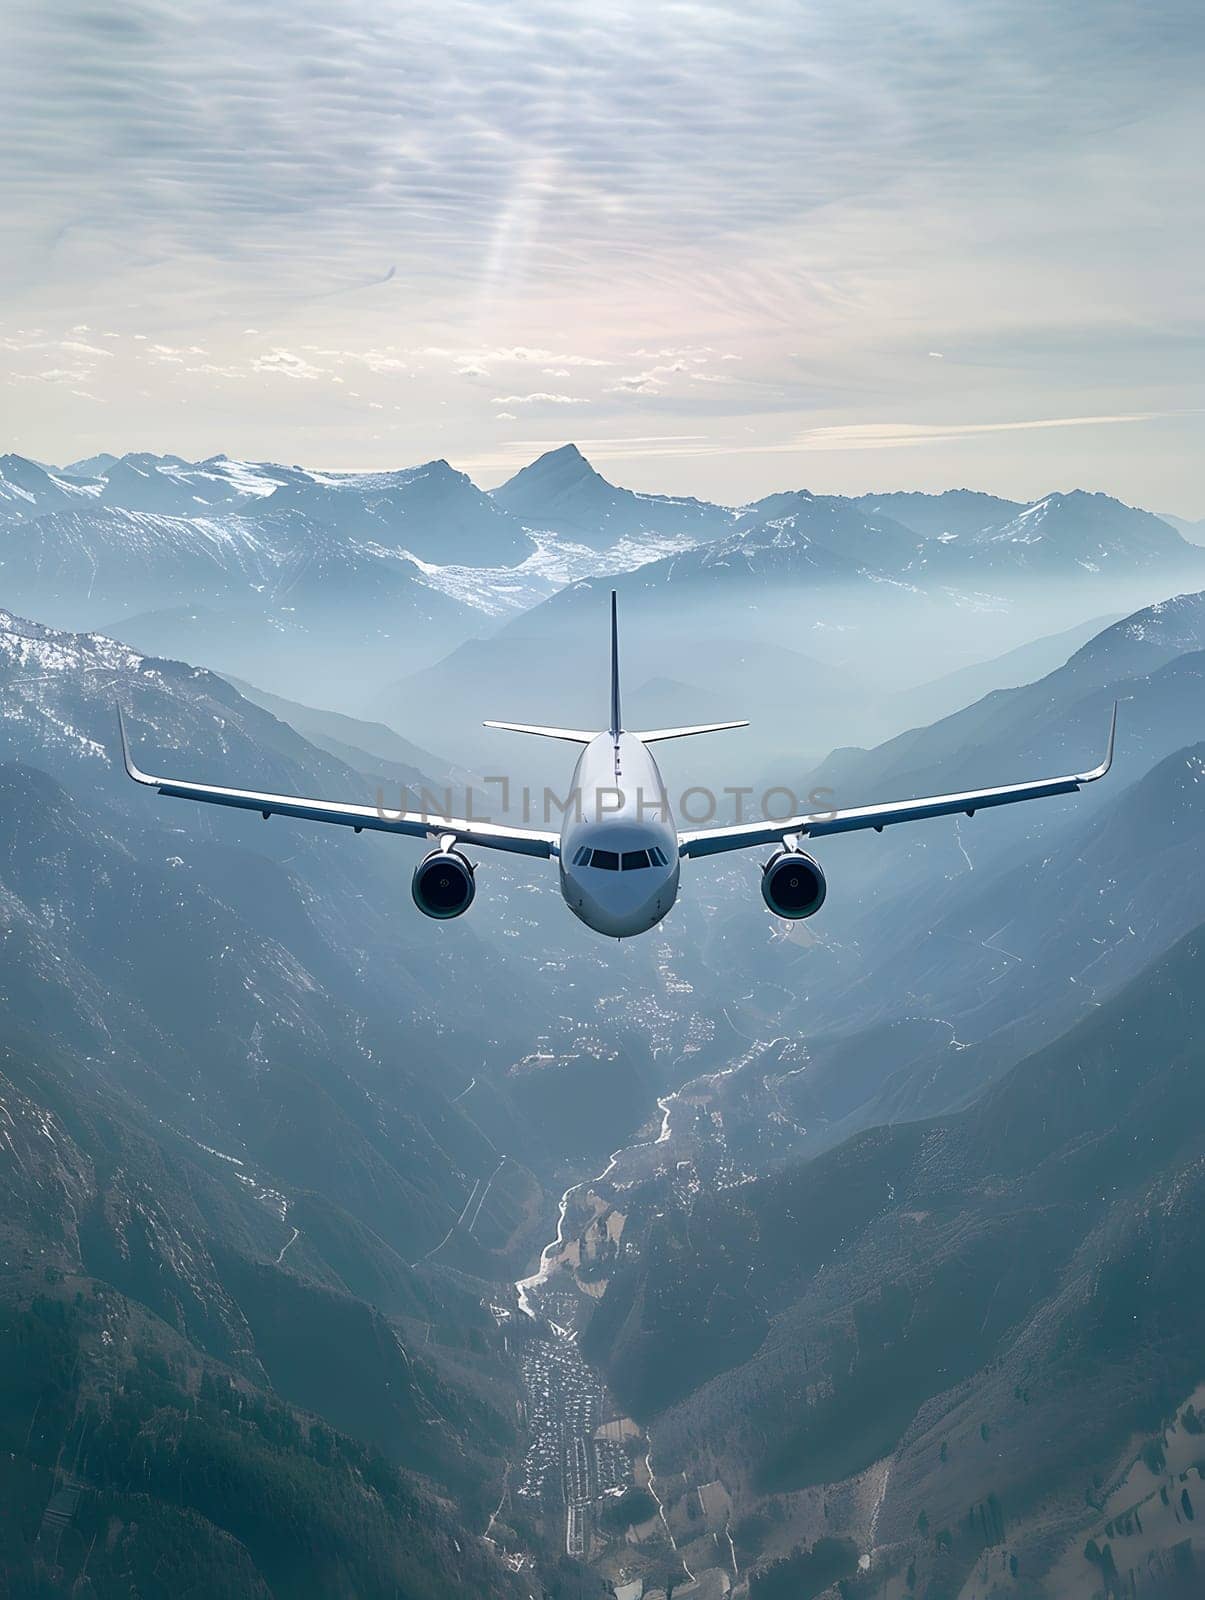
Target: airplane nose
[624,909]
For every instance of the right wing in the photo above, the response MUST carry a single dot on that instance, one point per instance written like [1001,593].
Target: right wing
[414,824]
[713,841]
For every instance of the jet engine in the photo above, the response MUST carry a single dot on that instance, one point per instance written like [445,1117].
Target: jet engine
[443,885]
[792,884]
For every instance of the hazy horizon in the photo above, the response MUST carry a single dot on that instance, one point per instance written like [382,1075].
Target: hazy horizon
[490,478]
[493,477]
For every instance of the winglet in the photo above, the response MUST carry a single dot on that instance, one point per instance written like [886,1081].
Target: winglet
[132,770]
[616,721]
[1099,772]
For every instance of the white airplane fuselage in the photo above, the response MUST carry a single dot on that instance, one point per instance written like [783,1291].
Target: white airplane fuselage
[619,846]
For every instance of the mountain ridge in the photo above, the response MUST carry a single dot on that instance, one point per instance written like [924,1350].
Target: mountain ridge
[561,490]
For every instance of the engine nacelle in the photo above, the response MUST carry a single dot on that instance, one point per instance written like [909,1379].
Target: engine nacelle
[793,885]
[443,885]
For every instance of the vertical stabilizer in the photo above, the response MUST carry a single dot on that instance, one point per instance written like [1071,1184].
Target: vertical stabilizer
[616,720]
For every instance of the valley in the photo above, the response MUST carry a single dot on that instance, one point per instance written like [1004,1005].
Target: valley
[584,1452]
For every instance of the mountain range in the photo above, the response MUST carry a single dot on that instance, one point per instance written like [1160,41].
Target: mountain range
[294,578]
[888,1264]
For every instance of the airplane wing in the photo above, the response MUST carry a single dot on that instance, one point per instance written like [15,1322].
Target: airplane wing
[713,841]
[415,824]
[656,734]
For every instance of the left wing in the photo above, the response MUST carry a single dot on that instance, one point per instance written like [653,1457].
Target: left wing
[415,824]
[712,841]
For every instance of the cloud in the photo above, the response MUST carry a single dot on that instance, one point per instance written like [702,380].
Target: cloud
[377,360]
[895,435]
[539,398]
[69,375]
[580,361]
[284,364]
[517,353]
[74,360]
[520,355]
[652,381]
[77,347]
[527,139]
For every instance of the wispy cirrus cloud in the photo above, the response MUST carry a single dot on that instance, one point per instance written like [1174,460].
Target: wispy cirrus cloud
[869,206]
[900,435]
[651,381]
[526,138]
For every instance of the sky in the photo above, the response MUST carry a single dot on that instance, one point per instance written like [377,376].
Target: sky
[846,245]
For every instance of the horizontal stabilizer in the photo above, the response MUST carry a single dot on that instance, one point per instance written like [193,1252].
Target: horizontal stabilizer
[572,735]
[685,733]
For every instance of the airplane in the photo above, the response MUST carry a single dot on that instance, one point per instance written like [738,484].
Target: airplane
[618,848]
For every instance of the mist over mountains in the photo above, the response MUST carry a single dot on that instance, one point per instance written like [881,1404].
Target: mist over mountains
[334,588]
[867,1244]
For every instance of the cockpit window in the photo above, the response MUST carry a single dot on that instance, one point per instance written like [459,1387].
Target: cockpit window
[612,861]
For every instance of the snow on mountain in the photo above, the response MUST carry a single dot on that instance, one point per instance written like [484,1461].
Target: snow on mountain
[1144,641]
[167,484]
[555,563]
[432,511]
[281,599]
[27,488]
[137,481]
[840,527]
[90,466]
[941,516]
[1093,532]
[561,491]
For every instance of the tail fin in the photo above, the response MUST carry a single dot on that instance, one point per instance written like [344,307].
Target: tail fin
[616,719]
